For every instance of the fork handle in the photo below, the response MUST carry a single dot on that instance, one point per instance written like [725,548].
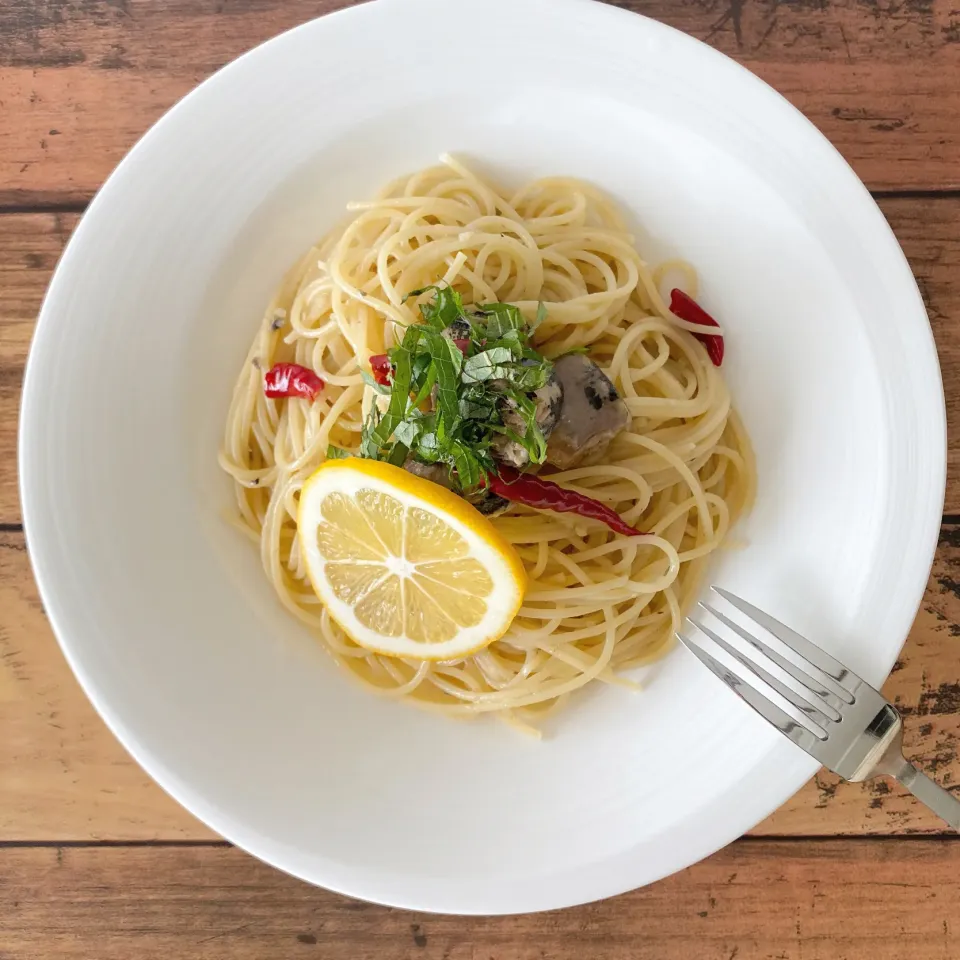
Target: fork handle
[943,803]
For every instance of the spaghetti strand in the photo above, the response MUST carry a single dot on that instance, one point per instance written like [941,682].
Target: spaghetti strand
[598,604]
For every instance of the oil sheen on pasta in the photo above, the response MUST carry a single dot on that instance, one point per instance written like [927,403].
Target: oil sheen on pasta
[683,472]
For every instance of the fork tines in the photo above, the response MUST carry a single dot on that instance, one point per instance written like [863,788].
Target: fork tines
[811,681]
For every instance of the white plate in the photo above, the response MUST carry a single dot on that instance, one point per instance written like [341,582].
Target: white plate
[161,608]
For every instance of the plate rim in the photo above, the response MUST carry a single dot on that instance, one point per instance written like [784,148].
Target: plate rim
[45,575]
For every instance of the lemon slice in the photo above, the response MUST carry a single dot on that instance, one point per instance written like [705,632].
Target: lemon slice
[406,567]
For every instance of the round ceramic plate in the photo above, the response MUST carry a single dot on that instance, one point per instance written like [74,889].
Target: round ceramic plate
[160,605]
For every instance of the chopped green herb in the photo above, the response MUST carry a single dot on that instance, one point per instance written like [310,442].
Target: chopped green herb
[449,364]
[467,464]
[503,317]
[426,387]
[481,407]
[541,316]
[449,400]
[408,432]
[445,308]
[398,454]
[531,378]
[488,365]
[370,382]
[428,448]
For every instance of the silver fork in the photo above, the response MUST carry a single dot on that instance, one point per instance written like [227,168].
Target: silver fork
[846,724]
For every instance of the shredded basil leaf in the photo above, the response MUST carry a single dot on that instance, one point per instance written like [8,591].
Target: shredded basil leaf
[428,448]
[502,318]
[471,409]
[398,454]
[467,465]
[448,402]
[402,359]
[487,365]
[448,362]
[380,388]
[407,432]
[541,316]
[445,308]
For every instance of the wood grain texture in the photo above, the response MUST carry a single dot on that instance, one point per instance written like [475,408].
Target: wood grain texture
[81,81]
[30,247]
[925,686]
[62,774]
[929,233]
[64,777]
[757,900]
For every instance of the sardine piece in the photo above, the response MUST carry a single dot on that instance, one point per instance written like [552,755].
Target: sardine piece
[592,414]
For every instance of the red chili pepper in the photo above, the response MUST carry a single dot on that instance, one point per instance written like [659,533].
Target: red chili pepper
[382,369]
[463,345]
[534,491]
[686,308]
[291,380]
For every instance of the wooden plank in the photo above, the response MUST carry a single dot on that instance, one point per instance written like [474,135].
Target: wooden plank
[30,247]
[925,686]
[63,777]
[929,233]
[82,81]
[756,900]
[62,774]
[30,244]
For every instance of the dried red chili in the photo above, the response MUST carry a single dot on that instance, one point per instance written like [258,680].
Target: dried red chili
[382,368]
[291,380]
[686,308]
[534,491]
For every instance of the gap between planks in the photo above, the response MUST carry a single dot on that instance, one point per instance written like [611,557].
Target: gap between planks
[120,844]
[748,839]
[80,206]
[763,901]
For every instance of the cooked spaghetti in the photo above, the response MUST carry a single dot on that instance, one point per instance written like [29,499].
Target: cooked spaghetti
[681,472]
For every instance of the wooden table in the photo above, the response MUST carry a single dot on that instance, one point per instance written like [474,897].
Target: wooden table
[95,861]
